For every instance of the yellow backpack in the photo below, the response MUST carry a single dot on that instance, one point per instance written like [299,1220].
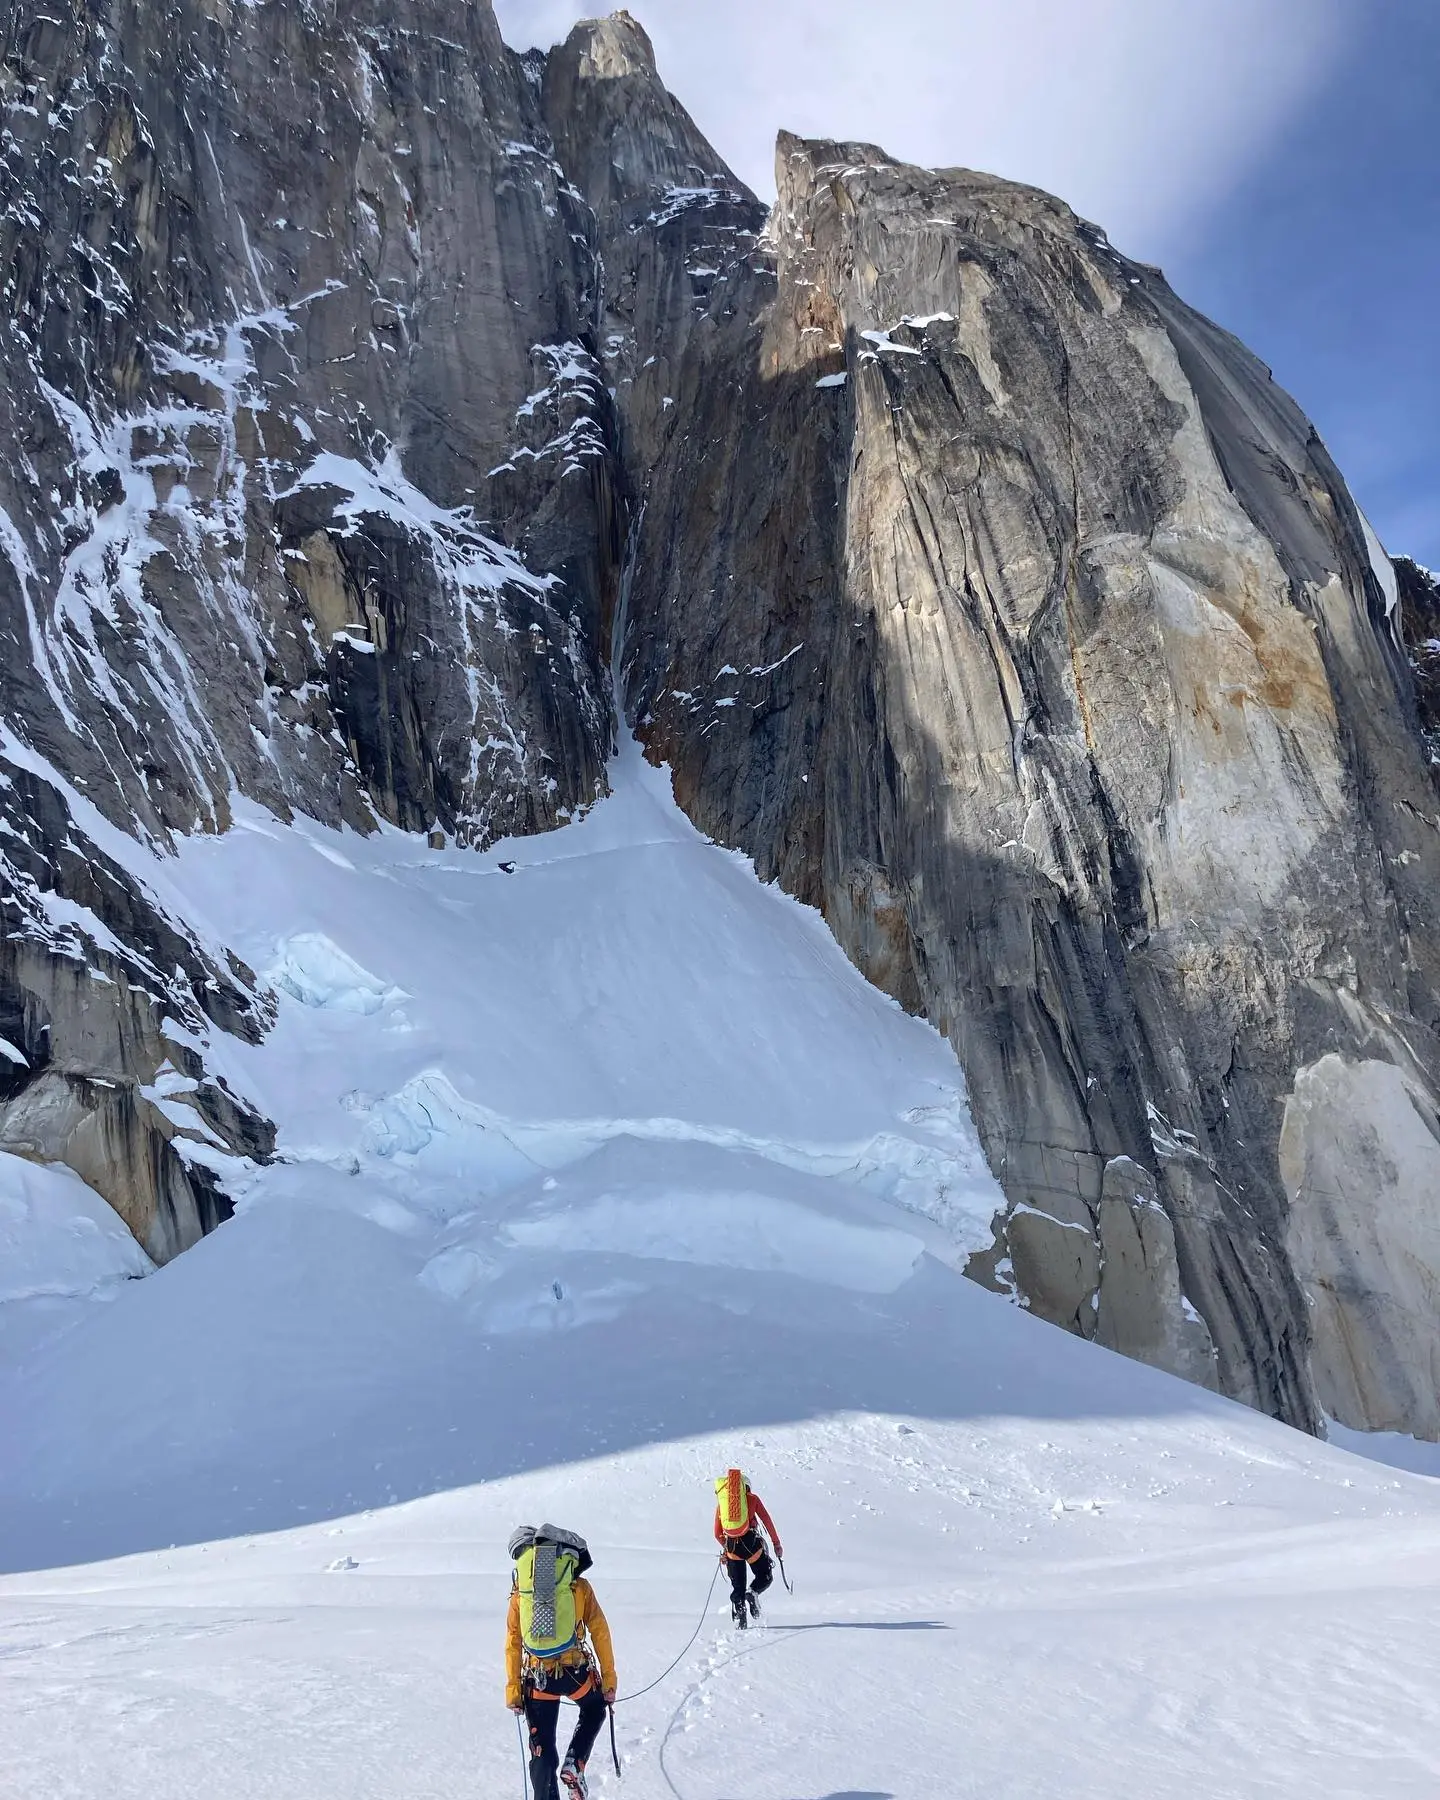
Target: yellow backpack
[548,1562]
[732,1496]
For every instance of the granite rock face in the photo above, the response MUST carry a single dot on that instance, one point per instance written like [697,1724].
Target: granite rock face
[371,388]
[1002,607]
[306,488]
[1420,613]
[107,1006]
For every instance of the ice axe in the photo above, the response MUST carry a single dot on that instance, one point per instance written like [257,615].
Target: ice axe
[614,1753]
[783,1576]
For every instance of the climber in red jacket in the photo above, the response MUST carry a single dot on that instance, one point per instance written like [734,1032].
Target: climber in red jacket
[739,1514]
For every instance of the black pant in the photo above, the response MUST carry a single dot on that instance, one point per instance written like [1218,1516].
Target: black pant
[542,1715]
[744,1553]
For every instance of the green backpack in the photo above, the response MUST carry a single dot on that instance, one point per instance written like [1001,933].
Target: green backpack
[548,1562]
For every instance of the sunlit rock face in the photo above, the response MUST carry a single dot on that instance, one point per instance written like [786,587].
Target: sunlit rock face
[369,388]
[1001,606]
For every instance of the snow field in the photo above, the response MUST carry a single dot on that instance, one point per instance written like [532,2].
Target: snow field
[603,1174]
[1249,1623]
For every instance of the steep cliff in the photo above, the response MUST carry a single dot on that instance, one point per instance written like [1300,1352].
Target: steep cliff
[305,487]
[360,375]
[1420,615]
[1002,607]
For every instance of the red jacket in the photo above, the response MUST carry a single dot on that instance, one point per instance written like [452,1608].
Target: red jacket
[755,1510]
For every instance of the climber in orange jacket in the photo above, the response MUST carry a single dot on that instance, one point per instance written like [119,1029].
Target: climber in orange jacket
[549,1657]
[739,1514]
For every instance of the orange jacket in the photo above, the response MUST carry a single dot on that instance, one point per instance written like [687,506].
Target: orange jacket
[756,1510]
[588,1616]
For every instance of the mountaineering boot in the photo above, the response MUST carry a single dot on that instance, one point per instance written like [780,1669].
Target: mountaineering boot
[573,1776]
[752,1601]
[739,1614]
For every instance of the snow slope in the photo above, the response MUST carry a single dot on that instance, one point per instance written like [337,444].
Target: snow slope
[604,1172]
[61,1247]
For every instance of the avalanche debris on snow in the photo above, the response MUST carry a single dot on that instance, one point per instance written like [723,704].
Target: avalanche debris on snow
[314,970]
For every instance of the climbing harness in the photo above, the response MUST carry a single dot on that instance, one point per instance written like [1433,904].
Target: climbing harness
[535,1675]
[624,1698]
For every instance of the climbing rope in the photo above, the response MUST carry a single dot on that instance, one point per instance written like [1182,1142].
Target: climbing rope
[700,1626]
[623,1698]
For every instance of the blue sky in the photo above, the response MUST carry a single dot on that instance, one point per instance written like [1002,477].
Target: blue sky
[1279,158]
[1325,259]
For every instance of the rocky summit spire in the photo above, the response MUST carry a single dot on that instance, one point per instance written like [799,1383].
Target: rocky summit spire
[616,128]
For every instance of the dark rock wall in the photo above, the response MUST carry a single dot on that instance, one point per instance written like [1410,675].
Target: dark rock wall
[1420,611]
[1002,607]
[368,385]
[288,291]
[106,1006]
[307,484]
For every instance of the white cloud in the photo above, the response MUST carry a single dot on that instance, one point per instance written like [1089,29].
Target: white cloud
[1141,113]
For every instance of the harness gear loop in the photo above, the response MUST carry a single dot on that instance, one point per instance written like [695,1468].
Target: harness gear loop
[534,1671]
